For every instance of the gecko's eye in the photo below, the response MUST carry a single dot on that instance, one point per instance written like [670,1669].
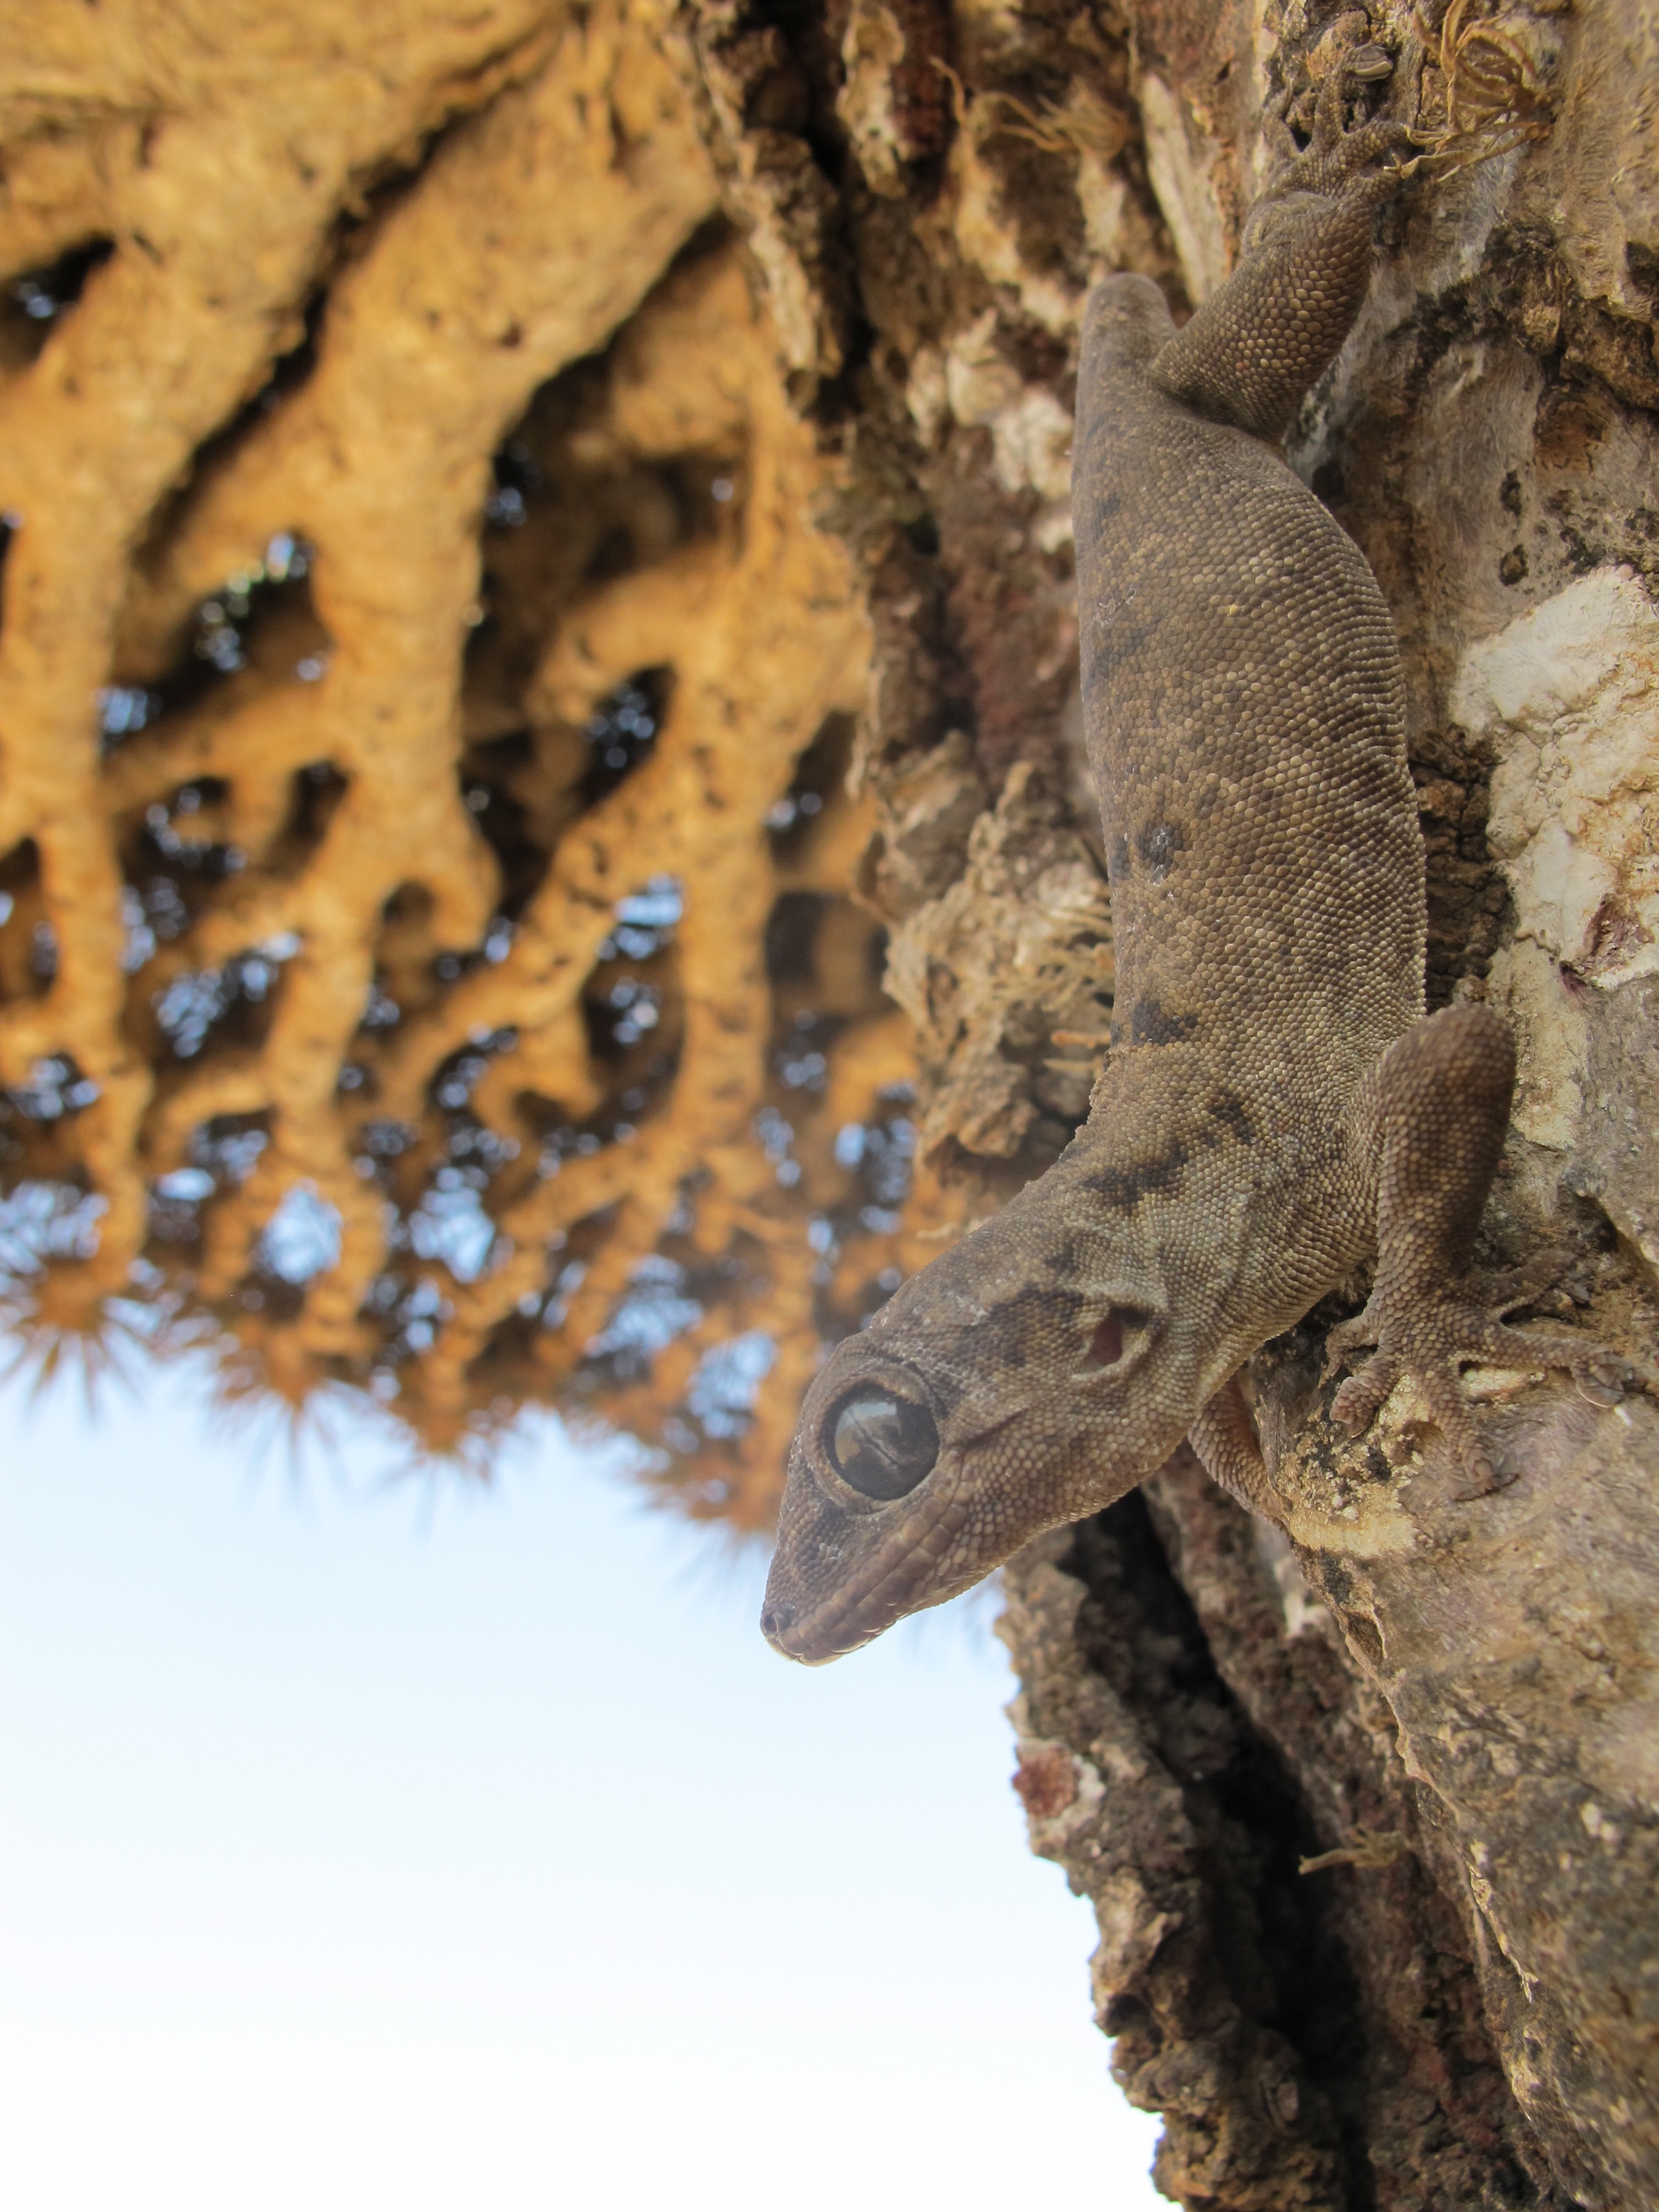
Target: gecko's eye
[883,1446]
[1106,1344]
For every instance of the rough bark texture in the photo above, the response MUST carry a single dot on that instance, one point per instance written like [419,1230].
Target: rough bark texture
[477,481]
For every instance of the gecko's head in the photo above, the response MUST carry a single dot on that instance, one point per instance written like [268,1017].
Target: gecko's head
[1026,1378]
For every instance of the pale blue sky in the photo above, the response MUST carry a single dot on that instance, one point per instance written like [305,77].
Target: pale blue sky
[417,1846]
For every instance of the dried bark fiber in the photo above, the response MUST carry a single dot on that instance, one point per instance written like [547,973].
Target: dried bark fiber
[645,395]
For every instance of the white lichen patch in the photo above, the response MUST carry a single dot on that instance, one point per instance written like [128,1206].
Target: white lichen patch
[927,395]
[1032,443]
[871,50]
[978,381]
[1569,695]
[1030,431]
[1107,208]
[1131,1929]
[985,232]
[1302,1606]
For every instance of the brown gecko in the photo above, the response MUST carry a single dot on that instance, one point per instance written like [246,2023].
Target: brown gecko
[1274,1108]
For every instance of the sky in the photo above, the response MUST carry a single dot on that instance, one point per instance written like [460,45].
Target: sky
[373,1840]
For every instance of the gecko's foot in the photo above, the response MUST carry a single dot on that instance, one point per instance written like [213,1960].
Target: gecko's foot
[1335,153]
[1428,1339]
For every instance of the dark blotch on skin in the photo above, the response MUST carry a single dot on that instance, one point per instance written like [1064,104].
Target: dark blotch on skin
[1031,1319]
[1149,1024]
[1229,1110]
[1125,1187]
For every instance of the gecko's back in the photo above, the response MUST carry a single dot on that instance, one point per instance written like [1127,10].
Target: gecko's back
[1245,716]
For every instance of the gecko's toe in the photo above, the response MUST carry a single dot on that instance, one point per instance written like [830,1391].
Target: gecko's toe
[1357,59]
[1429,1362]
[1352,1335]
[1585,1357]
[1505,1288]
[1441,1389]
[1356,1403]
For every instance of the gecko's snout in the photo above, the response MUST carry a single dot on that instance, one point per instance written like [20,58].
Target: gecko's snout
[775,1623]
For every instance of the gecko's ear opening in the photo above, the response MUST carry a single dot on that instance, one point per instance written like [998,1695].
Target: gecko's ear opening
[1120,1331]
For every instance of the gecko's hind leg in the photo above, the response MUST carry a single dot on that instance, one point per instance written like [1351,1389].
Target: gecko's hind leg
[1435,1118]
[1224,1437]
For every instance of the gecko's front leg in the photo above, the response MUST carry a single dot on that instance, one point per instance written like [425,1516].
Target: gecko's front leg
[1429,1125]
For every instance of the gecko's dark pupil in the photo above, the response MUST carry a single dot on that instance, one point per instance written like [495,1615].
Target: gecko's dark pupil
[882,1445]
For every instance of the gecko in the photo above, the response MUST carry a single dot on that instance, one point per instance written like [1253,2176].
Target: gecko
[1275,1109]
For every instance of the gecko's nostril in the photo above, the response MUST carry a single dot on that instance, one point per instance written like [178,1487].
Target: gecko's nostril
[769,1624]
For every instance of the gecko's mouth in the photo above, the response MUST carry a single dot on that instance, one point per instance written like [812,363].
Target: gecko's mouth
[884,1588]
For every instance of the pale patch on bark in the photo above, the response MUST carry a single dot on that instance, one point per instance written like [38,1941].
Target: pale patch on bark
[1569,693]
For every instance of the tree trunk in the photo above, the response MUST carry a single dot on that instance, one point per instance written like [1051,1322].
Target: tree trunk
[467,469]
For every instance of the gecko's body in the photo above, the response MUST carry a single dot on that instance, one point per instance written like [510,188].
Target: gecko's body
[1273,1107]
